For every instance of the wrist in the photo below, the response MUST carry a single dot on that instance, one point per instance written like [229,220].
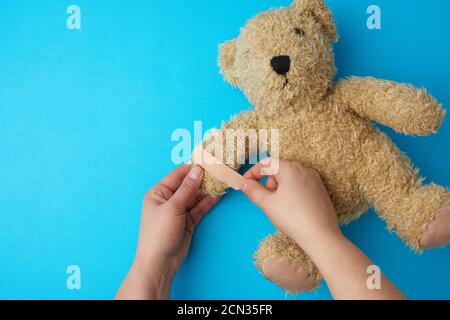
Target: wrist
[321,241]
[154,274]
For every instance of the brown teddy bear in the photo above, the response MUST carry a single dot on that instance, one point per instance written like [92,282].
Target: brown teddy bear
[283,61]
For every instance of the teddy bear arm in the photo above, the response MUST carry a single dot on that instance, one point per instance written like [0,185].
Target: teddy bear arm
[223,145]
[402,107]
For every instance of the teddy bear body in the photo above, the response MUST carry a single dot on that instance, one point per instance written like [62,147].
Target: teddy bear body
[283,62]
[332,153]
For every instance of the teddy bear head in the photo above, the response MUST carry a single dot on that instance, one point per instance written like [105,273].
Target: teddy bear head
[283,55]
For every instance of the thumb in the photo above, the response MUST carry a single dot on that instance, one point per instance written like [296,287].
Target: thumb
[189,187]
[255,191]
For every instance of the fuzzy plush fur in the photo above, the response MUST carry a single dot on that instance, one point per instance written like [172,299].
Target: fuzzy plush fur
[327,126]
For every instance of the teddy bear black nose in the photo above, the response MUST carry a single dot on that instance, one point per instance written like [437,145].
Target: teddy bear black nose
[281,64]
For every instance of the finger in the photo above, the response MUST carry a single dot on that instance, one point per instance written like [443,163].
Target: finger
[271,184]
[255,172]
[189,187]
[256,192]
[174,179]
[267,167]
[195,200]
[159,194]
[202,208]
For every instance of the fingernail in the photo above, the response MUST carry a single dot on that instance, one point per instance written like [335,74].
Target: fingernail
[244,187]
[195,173]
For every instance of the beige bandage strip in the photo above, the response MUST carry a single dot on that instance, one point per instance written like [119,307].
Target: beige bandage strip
[217,168]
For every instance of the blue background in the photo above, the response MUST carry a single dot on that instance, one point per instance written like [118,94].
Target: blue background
[86,118]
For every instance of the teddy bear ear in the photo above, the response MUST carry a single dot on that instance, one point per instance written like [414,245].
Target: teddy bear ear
[319,10]
[227,57]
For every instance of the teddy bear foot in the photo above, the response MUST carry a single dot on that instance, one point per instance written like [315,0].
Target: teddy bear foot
[438,231]
[287,274]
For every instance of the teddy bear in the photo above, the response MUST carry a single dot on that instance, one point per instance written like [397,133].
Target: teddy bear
[283,61]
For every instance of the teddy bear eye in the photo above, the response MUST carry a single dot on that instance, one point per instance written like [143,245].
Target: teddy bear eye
[300,32]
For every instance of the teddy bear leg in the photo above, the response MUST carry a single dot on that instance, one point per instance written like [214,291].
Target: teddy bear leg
[284,263]
[419,214]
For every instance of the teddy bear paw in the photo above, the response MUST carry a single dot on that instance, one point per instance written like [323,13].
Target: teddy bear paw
[287,274]
[438,231]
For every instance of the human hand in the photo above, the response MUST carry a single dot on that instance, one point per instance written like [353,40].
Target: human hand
[170,212]
[294,199]
[297,202]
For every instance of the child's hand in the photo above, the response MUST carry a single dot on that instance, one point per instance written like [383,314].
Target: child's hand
[295,200]
[170,212]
